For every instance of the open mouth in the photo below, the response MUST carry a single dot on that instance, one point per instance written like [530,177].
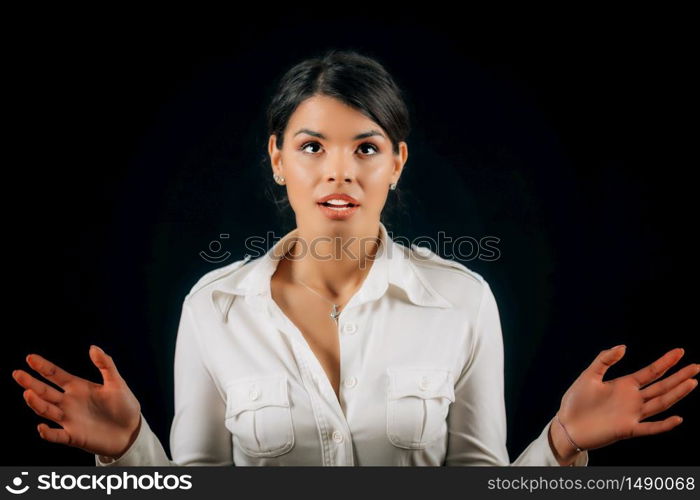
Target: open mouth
[336,210]
[337,205]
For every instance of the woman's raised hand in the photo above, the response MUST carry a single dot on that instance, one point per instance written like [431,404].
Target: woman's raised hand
[597,413]
[102,419]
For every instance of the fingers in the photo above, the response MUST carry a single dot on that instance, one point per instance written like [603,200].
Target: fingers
[669,383]
[59,436]
[104,362]
[49,370]
[658,367]
[44,391]
[648,428]
[606,359]
[665,401]
[43,408]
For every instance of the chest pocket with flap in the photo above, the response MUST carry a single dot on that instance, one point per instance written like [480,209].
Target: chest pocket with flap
[259,416]
[418,401]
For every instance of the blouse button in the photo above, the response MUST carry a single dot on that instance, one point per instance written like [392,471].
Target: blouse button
[253,393]
[424,383]
[350,382]
[350,328]
[337,436]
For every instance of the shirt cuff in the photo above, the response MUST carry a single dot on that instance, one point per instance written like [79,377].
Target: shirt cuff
[136,453]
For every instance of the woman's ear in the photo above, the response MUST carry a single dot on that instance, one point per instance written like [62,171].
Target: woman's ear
[275,155]
[400,160]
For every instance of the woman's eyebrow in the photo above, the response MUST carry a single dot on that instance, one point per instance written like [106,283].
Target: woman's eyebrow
[363,135]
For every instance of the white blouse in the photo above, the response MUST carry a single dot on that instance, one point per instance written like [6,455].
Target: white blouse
[421,365]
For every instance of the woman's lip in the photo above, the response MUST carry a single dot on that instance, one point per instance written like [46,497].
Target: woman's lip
[337,213]
[333,205]
[339,196]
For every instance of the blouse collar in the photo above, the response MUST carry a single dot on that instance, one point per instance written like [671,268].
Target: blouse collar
[392,266]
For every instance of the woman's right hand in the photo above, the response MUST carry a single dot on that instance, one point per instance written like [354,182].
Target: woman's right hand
[103,419]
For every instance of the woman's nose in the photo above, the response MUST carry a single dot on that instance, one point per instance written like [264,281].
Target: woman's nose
[336,178]
[339,168]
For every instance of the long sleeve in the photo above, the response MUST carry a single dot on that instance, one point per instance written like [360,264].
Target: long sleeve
[198,435]
[477,418]
[145,450]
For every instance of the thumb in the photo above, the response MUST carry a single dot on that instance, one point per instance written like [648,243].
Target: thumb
[606,359]
[109,371]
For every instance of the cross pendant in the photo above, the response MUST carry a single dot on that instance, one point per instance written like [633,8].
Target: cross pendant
[335,313]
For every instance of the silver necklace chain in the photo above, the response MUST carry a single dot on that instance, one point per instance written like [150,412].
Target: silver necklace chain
[334,311]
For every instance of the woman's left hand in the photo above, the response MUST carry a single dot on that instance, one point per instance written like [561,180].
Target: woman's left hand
[597,413]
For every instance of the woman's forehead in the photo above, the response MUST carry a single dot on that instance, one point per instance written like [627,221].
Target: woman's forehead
[331,119]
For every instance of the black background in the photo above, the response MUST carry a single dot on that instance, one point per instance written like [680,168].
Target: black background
[136,147]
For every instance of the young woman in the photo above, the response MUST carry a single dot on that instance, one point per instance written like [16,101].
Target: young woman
[340,346]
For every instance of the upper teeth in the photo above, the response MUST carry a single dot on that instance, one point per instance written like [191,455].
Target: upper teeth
[337,202]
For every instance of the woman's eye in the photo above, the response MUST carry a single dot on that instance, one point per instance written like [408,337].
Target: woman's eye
[371,146]
[303,148]
[316,144]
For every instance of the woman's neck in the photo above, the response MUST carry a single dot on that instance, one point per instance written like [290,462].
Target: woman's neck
[334,265]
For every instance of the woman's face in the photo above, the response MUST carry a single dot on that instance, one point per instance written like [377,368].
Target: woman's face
[322,155]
